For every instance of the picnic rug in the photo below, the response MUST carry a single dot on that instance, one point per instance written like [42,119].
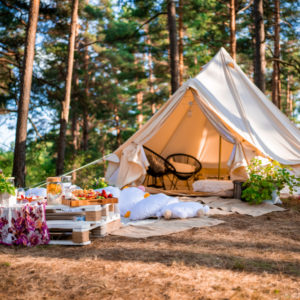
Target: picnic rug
[157,227]
[230,206]
[218,206]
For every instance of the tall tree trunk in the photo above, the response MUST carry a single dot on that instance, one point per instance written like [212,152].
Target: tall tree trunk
[276,97]
[86,100]
[174,59]
[75,140]
[150,67]
[139,101]
[23,105]
[291,97]
[180,44]
[289,100]
[288,96]
[67,99]
[260,59]
[118,127]
[232,30]
[139,96]
[75,129]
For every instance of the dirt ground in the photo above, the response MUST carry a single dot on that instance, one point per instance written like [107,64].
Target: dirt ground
[244,258]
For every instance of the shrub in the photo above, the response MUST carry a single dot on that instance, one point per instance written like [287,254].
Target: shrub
[264,179]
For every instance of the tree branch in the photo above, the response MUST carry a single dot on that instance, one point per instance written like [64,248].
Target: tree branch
[286,22]
[128,36]
[16,8]
[35,128]
[149,20]
[295,65]
[246,7]
[5,60]
[4,111]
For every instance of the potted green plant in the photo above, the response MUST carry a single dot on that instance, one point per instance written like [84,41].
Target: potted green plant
[266,181]
[7,192]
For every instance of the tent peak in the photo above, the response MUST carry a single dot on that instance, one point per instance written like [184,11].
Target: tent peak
[225,52]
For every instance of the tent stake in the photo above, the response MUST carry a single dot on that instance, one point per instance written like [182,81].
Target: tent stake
[220,150]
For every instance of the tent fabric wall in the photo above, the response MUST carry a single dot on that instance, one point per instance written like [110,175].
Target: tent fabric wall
[219,101]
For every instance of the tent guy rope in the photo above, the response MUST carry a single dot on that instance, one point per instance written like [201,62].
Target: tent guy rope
[72,171]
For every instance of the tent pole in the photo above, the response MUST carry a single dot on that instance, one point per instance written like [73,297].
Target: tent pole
[220,150]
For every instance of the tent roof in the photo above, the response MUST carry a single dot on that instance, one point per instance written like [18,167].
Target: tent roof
[246,110]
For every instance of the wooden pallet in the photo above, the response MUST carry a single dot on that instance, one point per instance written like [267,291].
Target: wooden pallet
[106,228]
[85,213]
[66,230]
[76,203]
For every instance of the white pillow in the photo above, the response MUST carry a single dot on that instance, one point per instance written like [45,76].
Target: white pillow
[181,167]
[128,198]
[183,210]
[148,207]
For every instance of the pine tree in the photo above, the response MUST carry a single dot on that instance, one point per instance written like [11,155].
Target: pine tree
[276,91]
[23,105]
[67,99]
[174,58]
[232,29]
[260,60]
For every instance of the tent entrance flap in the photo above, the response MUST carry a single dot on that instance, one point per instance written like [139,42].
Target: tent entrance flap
[189,131]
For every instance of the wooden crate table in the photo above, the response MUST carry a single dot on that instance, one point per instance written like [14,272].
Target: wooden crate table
[76,225]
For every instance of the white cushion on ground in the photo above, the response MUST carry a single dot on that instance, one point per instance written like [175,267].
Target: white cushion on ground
[182,167]
[115,191]
[128,198]
[212,185]
[148,207]
[183,210]
[39,192]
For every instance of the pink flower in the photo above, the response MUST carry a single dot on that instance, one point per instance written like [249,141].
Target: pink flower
[22,240]
[19,223]
[34,240]
[3,222]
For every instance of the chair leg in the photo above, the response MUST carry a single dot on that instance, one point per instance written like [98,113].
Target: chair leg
[162,181]
[187,183]
[172,182]
[175,182]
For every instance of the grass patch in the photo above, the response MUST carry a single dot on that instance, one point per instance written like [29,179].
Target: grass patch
[238,265]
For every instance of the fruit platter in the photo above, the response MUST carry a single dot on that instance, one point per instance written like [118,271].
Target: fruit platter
[89,197]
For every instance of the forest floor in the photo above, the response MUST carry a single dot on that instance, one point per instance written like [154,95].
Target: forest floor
[244,258]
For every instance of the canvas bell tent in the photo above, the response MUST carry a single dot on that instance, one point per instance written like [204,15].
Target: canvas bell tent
[221,118]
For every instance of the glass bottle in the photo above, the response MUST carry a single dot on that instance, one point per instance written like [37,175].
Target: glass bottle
[66,186]
[54,190]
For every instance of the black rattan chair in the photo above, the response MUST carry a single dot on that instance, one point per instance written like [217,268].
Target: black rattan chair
[159,167]
[185,159]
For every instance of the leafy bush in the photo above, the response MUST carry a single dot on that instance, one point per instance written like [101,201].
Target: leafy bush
[99,183]
[6,187]
[263,180]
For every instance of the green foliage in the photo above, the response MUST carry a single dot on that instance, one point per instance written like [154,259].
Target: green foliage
[263,180]
[6,187]
[99,183]
[6,161]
